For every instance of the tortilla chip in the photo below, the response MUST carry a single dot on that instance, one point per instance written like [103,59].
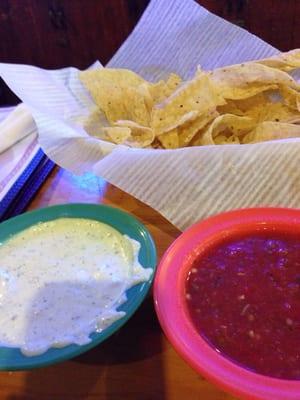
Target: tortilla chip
[144,89]
[158,91]
[169,140]
[195,97]
[155,144]
[141,136]
[136,105]
[93,123]
[117,134]
[272,131]
[291,97]
[284,61]
[231,124]
[222,139]
[116,76]
[163,89]
[277,112]
[187,132]
[190,116]
[173,82]
[258,100]
[119,93]
[246,80]
[231,107]
[200,140]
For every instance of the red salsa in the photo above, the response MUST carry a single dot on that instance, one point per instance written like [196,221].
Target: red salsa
[243,297]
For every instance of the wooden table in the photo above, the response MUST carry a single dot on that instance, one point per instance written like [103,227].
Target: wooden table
[137,363]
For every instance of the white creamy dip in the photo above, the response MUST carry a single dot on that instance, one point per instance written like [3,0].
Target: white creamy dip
[62,280]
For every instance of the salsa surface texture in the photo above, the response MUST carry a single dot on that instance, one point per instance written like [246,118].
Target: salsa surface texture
[243,296]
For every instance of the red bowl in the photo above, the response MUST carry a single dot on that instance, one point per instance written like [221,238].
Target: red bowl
[170,304]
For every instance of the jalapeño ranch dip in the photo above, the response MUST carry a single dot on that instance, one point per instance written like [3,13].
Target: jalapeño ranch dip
[62,280]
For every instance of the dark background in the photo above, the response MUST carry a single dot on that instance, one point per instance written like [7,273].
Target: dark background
[59,33]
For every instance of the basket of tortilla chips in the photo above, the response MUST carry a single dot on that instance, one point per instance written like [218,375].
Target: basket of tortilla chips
[240,104]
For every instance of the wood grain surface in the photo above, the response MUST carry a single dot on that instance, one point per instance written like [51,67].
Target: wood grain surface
[60,33]
[137,363]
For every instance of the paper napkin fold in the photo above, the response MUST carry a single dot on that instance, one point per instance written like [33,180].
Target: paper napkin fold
[18,146]
[16,126]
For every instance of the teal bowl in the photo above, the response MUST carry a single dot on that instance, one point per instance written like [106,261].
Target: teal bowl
[11,358]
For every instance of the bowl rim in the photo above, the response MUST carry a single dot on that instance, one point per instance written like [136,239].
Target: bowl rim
[173,315]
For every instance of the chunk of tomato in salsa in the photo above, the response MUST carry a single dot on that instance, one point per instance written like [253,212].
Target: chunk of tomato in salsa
[243,297]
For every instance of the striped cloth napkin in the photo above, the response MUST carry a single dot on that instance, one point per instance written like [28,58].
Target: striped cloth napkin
[21,159]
